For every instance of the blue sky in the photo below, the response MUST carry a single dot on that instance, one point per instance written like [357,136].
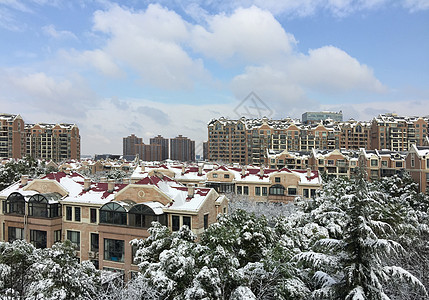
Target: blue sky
[168,67]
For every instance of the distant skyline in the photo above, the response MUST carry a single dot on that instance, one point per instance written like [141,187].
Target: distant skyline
[168,68]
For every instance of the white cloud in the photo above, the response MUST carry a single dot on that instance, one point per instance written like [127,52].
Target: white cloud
[37,93]
[331,69]
[58,34]
[150,42]
[251,34]
[416,5]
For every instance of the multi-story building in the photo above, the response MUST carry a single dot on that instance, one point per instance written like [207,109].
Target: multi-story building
[159,140]
[257,183]
[129,145]
[182,149]
[151,152]
[12,136]
[317,116]
[55,142]
[355,135]
[398,133]
[417,165]
[101,218]
[246,141]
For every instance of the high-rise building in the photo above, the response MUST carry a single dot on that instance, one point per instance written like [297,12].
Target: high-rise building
[317,116]
[159,140]
[149,152]
[182,149]
[12,136]
[129,145]
[57,142]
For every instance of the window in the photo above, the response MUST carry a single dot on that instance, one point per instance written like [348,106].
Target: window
[239,190]
[226,176]
[68,213]
[114,250]
[214,175]
[427,164]
[175,223]
[399,164]
[306,193]
[330,162]
[257,191]
[320,161]
[38,238]
[291,191]
[93,215]
[113,213]
[427,177]
[77,214]
[186,221]
[277,189]
[15,233]
[374,163]
[15,204]
[413,163]
[133,254]
[246,190]
[94,242]
[277,179]
[206,221]
[384,163]
[74,237]
[264,191]
[57,236]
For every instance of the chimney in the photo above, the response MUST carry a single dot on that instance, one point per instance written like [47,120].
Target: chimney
[111,185]
[308,172]
[24,180]
[243,171]
[183,169]
[86,184]
[103,179]
[191,190]
[200,170]
[261,171]
[142,167]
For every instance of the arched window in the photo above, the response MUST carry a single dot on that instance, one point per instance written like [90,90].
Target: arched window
[15,204]
[277,189]
[44,205]
[141,215]
[113,213]
[38,206]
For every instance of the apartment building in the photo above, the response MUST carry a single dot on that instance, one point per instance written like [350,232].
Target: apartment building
[152,152]
[12,136]
[256,183]
[182,149]
[247,141]
[57,142]
[159,140]
[129,145]
[417,165]
[101,218]
[398,133]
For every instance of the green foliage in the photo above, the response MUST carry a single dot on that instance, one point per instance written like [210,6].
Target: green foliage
[12,171]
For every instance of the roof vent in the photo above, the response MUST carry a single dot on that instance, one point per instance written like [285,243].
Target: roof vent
[191,191]
[111,185]
[24,180]
[87,184]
